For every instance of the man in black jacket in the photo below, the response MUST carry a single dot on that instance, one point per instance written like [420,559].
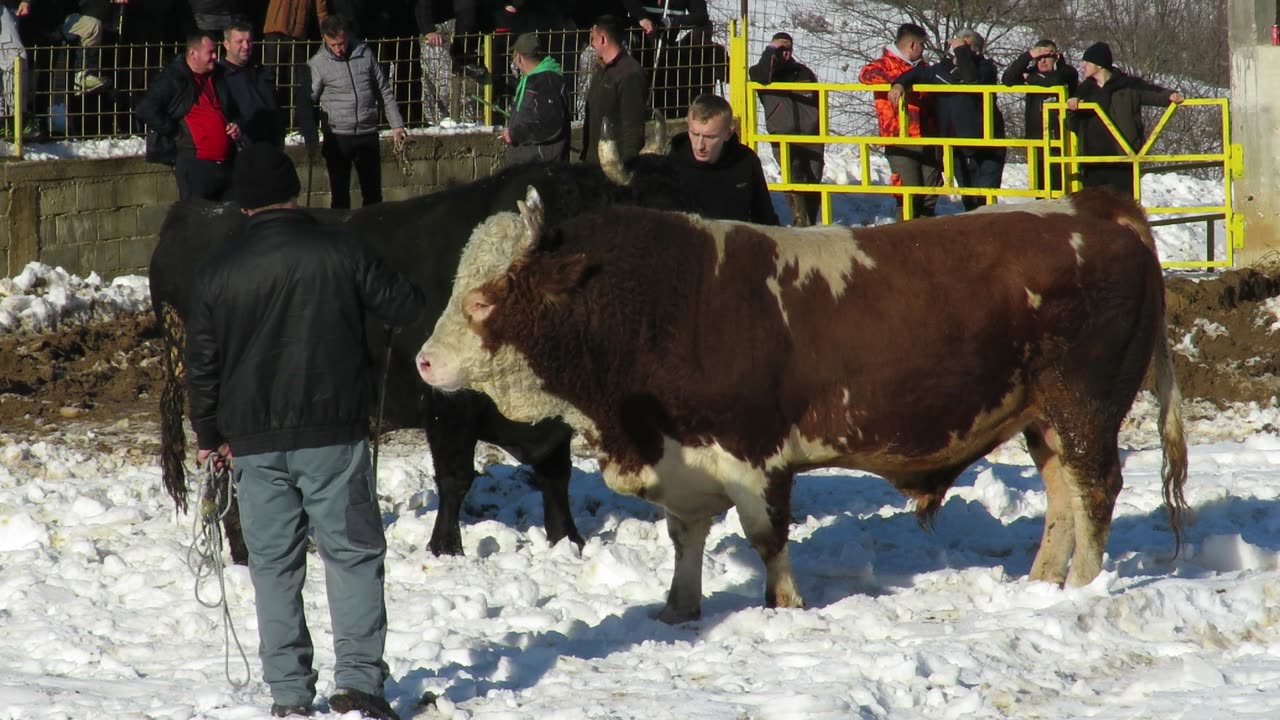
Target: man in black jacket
[1043,66]
[792,112]
[539,126]
[280,384]
[720,177]
[617,92]
[252,86]
[193,121]
[961,115]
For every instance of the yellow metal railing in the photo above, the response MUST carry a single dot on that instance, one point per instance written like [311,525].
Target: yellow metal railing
[1055,152]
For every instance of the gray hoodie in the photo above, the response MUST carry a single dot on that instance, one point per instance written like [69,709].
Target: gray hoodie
[350,90]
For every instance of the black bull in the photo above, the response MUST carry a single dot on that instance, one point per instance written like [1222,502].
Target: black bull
[423,238]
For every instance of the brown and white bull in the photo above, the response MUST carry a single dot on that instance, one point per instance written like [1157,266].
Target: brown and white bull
[711,361]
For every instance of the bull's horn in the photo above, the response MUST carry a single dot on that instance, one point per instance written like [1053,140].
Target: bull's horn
[656,141]
[531,210]
[610,161]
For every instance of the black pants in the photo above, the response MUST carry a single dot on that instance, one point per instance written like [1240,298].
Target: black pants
[1114,175]
[204,179]
[340,153]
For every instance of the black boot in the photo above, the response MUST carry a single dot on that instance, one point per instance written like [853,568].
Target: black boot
[369,706]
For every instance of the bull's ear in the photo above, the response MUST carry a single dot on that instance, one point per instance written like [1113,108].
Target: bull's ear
[564,274]
[531,212]
[477,306]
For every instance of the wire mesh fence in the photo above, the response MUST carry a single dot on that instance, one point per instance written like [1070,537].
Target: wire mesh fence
[74,92]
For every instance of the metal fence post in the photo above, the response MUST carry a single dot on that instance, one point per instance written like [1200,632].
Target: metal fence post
[18,101]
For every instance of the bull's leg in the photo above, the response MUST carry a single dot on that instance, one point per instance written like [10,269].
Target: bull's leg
[545,447]
[551,475]
[764,509]
[689,537]
[451,435]
[1094,500]
[1058,540]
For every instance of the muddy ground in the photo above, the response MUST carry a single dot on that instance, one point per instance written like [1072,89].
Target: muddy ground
[108,375]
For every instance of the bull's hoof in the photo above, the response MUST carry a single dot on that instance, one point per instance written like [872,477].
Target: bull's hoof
[439,548]
[674,616]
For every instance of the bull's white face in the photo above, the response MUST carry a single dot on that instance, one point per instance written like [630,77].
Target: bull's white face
[454,357]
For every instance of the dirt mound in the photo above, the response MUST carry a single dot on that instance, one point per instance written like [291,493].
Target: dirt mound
[1225,328]
[1226,332]
[101,372]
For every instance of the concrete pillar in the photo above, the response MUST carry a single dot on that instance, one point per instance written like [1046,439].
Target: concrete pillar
[1255,124]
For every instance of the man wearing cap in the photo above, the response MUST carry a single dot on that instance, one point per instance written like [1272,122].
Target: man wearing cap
[280,387]
[1121,97]
[539,126]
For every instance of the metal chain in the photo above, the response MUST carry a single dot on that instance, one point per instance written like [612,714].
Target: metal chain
[204,556]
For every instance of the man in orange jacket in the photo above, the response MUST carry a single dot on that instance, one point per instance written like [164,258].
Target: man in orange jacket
[910,164]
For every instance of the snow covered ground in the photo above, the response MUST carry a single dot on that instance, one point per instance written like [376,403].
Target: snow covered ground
[101,619]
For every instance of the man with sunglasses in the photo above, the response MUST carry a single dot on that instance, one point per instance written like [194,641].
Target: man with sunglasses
[1042,65]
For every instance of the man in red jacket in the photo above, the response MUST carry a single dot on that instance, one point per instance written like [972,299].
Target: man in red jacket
[910,164]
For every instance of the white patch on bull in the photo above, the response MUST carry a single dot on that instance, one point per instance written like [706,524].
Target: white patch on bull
[686,481]
[1033,299]
[1077,244]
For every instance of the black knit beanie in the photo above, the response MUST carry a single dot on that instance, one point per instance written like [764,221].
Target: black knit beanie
[1099,54]
[264,175]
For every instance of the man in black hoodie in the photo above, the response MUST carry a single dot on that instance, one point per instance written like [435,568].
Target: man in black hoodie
[720,176]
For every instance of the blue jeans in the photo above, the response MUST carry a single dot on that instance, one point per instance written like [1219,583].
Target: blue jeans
[329,489]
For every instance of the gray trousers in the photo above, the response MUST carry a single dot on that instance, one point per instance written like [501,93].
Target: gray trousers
[918,165]
[331,490]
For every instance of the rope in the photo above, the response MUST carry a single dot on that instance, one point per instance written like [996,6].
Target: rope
[204,557]
[399,148]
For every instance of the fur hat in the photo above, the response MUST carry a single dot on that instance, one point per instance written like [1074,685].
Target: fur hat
[264,175]
[1099,54]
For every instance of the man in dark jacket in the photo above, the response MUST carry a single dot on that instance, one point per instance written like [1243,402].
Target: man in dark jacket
[281,385]
[1043,66]
[720,177]
[617,92]
[1120,97]
[252,87]
[539,126]
[960,115]
[659,50]
[791,112]
[193,121]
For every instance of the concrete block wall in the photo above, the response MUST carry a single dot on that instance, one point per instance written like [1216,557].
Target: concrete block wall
[104,215]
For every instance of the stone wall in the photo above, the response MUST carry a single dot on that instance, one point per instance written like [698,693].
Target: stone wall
[104,215]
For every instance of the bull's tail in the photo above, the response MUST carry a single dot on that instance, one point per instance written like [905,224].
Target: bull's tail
[173,399]
[1173,439]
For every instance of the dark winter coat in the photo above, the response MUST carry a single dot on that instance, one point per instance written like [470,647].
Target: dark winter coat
[539,125]
[679,13]
[169,98]
[731,188]
[786,112]
[1022,71]
[1121,99]
[617,92]
[253,88]
[959,115]
[275,354]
